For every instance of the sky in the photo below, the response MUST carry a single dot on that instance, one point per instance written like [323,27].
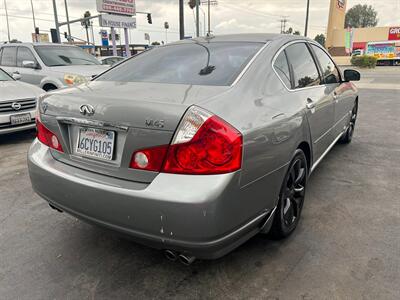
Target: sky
[229,16]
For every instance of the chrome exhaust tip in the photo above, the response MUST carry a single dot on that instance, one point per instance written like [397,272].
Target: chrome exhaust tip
[170,255]
[186,260]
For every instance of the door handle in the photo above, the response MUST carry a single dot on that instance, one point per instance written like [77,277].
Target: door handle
[310,104]
[16,72]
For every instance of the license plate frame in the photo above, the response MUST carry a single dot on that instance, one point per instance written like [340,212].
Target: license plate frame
[20,119]
[100,150]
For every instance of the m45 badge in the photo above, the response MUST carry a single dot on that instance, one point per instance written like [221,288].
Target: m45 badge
[154,123]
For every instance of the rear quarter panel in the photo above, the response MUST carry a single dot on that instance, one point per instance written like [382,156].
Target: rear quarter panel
[273,124]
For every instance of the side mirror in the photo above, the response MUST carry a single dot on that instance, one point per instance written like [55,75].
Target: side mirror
[16,76]
[351,75]
[29,64]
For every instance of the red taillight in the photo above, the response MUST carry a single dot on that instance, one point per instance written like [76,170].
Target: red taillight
[203,144]
[47,137]
[216,148]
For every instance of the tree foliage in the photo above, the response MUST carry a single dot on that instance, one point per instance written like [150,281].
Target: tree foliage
[291,31]
[320,38]
[360,16]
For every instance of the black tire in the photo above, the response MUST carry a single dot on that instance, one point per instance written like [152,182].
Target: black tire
[348,135]
[291,197]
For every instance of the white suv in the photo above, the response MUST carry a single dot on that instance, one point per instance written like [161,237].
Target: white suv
[49,66]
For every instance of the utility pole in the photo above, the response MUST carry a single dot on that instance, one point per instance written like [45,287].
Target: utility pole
[8,26]
[67,15]
[284,20]
[56,21]
[181,20]
[209,16]
[34,23]
[197,18]
[307,13]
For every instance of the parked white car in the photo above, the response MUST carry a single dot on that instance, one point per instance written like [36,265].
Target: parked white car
[17,104]
[49,66]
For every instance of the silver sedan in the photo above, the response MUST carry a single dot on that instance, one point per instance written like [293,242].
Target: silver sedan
[196,146]
[17,104]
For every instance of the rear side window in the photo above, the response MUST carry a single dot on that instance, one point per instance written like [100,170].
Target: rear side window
[9,56]
[305,71]
[330,73]
[282,68]
[24,54]
[215,63]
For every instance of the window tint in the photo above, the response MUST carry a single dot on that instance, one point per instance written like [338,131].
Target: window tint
[8,57]
[282,68]
[216,63]
[65,56]
[304,69]
[24,53]
[329,71]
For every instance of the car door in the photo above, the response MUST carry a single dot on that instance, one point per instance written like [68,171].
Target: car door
[28,74]
[334,89]
[9,59]
[307,85]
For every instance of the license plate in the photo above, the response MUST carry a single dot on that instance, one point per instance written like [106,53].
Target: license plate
[96,143]
[20,119]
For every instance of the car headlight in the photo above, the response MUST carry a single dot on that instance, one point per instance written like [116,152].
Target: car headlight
[74,79]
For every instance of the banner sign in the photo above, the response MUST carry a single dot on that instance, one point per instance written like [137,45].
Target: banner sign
[394,33]
[104,38]
[119,7]
[117,21]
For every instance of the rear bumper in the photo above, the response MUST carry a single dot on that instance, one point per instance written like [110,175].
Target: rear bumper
[196,215]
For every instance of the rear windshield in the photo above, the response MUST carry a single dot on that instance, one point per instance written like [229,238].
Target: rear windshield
[65,56]
[217,63]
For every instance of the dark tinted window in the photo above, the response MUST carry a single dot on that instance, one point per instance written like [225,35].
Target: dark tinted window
[329,71]
[282,68]
[304,69]
[65,56]
[24,53]
[8,57]
[217,63]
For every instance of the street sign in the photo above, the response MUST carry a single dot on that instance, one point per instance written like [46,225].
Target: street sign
[119,7]
[117,21]
[104,38]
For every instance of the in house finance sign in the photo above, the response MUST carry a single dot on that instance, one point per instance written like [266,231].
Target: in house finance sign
[119,7]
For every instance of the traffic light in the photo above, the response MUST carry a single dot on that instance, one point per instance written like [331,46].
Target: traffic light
[192,3]
[36,30]
[149,20]
[66,35]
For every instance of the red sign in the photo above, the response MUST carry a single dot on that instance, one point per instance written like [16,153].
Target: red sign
[394,33]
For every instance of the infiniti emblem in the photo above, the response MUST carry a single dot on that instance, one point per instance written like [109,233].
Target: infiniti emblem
[86,110]
[16,106]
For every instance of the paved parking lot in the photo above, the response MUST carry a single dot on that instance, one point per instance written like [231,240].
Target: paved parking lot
[347,245]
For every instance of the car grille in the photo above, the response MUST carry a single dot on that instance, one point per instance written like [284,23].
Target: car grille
[22,104]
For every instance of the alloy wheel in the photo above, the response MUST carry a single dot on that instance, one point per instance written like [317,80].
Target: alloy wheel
[293,193]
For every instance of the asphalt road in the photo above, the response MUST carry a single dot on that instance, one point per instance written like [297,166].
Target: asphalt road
[347,245]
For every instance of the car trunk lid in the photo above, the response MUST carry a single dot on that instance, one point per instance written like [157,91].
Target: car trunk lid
[133,116]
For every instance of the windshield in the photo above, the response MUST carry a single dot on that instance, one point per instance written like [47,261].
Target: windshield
[4,76]
[64,56]
[217,63]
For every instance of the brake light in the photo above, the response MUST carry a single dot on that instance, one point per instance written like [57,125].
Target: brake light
[203,144]
[47,137]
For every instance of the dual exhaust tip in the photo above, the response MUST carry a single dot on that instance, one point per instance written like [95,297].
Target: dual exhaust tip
[171,255]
